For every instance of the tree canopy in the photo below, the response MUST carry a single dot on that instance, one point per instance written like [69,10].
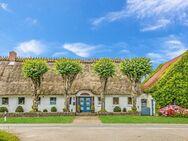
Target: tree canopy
[104,68]
[35,68]
[136,68]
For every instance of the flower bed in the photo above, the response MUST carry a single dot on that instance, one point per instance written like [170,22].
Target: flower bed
[174,110]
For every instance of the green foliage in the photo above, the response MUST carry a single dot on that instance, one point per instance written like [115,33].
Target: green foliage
[173,85]
[124,110]
[152,73]
[19,109]
[45,110]
[5,136]
[68,67]
[136,68]
[3,109]
[53,109]
[104,68]
[35,68]
[117,109]
[65,110]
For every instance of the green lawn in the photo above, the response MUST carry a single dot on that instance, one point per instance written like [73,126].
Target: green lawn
[143,119]
[5,136]
[50,119]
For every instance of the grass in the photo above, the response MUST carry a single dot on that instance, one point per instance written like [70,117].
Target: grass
[50,119]
[5,136]
[143,119]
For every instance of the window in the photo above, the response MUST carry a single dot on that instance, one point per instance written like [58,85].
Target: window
[39,100]
[70,100]
[130,100]
[115,100]
[52,100]
[5,101]
[21,100]
[99,100]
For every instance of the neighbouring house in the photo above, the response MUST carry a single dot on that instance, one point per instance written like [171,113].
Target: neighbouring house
[16,90]
[168,84]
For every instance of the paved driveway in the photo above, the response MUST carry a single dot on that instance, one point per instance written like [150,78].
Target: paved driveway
[99,132]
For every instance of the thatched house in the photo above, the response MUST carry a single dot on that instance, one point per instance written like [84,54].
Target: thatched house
[16,90]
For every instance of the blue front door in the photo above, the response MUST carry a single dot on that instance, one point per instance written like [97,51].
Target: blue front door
[85,104]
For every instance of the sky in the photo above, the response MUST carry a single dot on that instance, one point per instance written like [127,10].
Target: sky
[84,29]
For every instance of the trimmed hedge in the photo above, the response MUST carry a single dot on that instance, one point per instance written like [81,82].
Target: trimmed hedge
[117,109]
[54,109]
[173,85]
[3,109]
[19,109]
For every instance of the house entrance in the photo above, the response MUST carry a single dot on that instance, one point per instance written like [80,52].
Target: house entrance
[85,104]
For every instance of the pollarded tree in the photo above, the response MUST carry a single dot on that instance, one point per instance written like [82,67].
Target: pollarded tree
[35,69]
[105,69]
[136,69]
[68,69]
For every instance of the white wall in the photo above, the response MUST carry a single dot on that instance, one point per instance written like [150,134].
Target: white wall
[45,103]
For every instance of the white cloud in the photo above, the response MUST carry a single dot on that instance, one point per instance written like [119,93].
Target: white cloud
[171,48]
[80,49]
[28,48]
[31,21]
[151,10]
[160,24]
[4,6]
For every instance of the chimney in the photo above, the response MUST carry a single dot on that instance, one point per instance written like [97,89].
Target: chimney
[12,56]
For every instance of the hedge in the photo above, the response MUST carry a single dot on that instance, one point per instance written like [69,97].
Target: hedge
[173,84]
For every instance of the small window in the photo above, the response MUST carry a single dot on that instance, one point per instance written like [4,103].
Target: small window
[99,100]
[70,100]
[52,100]
[39,100]
[130,100]
[21,100]
[115,100]
[5,101]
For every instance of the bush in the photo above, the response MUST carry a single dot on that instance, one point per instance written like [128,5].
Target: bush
[3,109]
[45,110]
[174,110]
[124,110]
[19,109]
[117,109]
[53,109]
[65,110]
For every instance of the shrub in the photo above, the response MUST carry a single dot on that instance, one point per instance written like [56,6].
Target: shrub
[65,110]
[19,109]
[53,109]
[45,110]
[117,109]
[3,109]
[124,110]
[173,110]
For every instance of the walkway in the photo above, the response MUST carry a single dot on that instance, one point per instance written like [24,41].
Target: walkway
[86,120]
[102,132]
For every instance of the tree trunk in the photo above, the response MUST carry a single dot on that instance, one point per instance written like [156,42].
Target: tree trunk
[134,95]
[103,95]
[66,103]
[35,99]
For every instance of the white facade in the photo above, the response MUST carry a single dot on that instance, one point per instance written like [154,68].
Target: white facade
[59,104]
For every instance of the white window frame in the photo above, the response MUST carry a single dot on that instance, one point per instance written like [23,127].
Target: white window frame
[53,102]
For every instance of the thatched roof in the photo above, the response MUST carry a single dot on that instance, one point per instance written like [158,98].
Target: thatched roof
[12,81]
[159,73]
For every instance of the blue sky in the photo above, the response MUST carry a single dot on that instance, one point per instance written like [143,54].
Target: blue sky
[92,29]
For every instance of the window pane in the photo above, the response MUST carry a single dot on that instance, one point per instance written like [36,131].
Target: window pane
[115,100]
[130,100]
[21,100]
[99,100]
[39,101]
[5,101]
[52,100]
